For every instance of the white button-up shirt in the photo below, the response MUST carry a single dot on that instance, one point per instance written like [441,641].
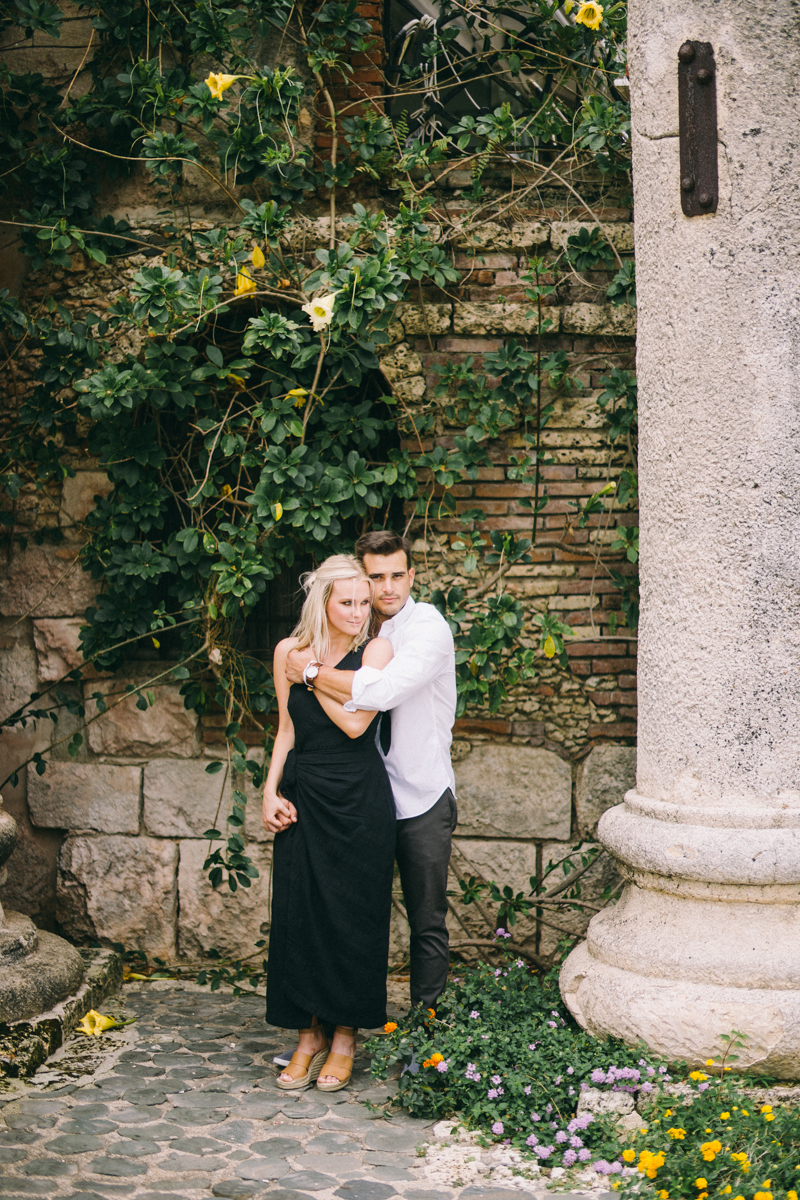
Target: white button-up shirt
[419,686]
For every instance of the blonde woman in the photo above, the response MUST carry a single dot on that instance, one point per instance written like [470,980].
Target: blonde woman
[329,802]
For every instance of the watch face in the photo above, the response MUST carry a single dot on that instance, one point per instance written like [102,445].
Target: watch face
[312,671]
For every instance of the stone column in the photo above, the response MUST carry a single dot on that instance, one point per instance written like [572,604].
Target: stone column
[706,937]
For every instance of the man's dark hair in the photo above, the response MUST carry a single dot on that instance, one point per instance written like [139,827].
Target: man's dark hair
[383,542]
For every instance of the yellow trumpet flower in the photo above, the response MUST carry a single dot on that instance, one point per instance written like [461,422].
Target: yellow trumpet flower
[258,258]
[244,283]
[94,1023]
[590,14]
[217,84]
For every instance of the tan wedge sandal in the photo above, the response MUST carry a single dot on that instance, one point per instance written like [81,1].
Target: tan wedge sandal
[303,1068]
[340,1066]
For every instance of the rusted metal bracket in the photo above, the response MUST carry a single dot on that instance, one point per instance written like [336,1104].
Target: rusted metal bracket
[697,123]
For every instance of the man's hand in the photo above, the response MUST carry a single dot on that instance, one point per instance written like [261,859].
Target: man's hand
[296,663]
[277,813]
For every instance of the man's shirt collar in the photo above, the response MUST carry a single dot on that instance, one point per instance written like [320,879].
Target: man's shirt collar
[399,618]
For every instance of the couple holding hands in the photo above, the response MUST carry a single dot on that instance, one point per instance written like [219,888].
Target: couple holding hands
[360,775]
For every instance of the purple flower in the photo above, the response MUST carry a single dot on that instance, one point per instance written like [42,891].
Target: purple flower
[472,1074]
[701,1087]
[502,933]
[552,1024]
[598,1075]
[571,1091]
[485,1037]
[532,1140]
[584,1155]
[602,1167]
[662,1070]
[549,1109]
[575,1141]
[496,1079]
[527,1090]
[497,1128]
[533,1045]
[442,1067]
[544,1151]
[473,1016]
[497,973]
[646,1087]
[570,1070]
[615,1168]
[492,1094]
[535,1117]
[519,963]
[651,1070]
[569,1158]
[561,1136]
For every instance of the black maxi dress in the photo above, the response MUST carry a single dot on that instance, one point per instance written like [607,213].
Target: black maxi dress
[332,874]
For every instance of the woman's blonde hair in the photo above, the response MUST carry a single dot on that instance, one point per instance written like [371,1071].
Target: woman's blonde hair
[312,628]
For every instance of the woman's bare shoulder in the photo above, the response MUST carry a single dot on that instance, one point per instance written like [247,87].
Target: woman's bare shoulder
[378,652]
[283,647]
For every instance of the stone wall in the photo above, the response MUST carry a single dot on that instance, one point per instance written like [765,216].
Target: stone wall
[111,843]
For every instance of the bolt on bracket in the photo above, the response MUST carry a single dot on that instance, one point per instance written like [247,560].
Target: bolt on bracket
[697,124]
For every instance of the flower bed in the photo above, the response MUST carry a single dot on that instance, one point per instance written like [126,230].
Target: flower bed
[503,1054]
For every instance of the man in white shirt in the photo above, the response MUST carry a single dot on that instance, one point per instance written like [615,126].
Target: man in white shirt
[418,689]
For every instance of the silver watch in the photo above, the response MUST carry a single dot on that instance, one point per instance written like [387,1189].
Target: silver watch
[310,673]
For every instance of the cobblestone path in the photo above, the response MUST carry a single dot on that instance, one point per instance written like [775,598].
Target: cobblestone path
[183,1103]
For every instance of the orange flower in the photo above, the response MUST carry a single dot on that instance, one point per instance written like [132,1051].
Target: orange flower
[390,1027]
[436,1058]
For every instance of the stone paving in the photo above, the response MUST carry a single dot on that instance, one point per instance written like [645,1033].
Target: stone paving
[183,1103]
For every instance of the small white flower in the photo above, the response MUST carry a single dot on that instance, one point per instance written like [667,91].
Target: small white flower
[321,311]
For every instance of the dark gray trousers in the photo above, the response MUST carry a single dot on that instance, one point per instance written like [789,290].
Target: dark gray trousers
[423,854]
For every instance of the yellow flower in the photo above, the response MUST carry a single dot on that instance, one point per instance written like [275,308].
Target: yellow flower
[549,647]
[709,1062]
[765,1108]
[769,1116]
[668,1113]
[629,1155]
[677,1135]
[321,311]
[763,1196]
[767,1183]
[390,1027]
[217,84]
[258,258]
[237,382]
[437,1058]
[590,14]
[745,1113]
[300,395]
[701,1183]
[277,512]
[710,1150]
[726,1191]
[698,1076]
[738,1198]
[94,1023]
[427,1062]
[791,1196]
[244,283]
[724,1116]
[225,490]
[663,1194]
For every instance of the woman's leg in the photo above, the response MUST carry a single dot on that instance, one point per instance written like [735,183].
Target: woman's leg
[310,1042]
[343,1044]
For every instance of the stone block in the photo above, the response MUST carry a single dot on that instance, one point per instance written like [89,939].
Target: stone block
[57,644]
[491,235]
[217,918]
[618,233]
[181,799]
[527,234]
[400,363]
[514,792]
[18,675]
[577,412]
[86,796]
[604,776]
[501,316]
[410,390]
[78,495]
[121,889]
[599,319]
[421,319]
[45,579]
[166,727]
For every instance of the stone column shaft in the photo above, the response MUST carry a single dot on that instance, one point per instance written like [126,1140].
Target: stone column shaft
[706,938]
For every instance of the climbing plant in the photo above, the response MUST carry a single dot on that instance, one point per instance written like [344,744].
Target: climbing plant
[230,389]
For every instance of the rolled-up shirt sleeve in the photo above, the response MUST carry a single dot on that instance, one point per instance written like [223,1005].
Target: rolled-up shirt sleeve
[411,669]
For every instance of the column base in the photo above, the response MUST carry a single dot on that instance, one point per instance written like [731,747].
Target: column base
[684,1020]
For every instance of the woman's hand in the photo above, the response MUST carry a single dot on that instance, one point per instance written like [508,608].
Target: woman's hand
[277,813]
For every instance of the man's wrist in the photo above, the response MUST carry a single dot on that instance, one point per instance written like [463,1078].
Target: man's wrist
[310,672]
